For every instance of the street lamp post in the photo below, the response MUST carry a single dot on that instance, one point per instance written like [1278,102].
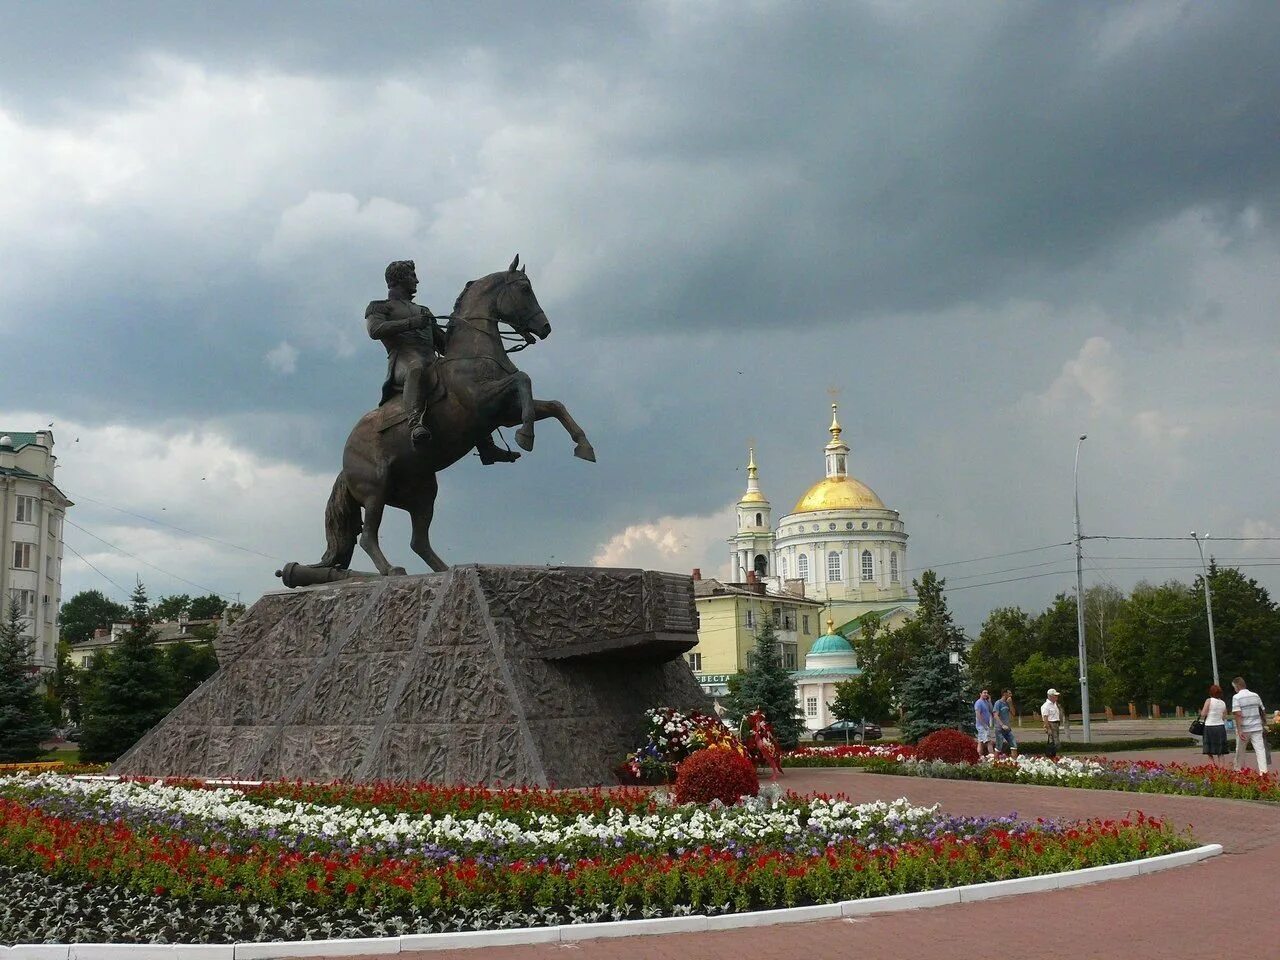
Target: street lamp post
[1084,657]
[1208,606]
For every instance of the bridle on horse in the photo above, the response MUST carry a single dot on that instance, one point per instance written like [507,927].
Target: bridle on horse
[525,340]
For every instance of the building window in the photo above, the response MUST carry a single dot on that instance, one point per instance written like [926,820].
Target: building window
[806,623]
[788,623]
[802,566]
[893,567]
[24,556]
[782,567]
[26,601]
[833,567]
[810,706]
[777,616]
[27,507]
[759,520]
[49,570]
[695,661]
[789,656]
[751,618]
[53,527]
[761,565]
[868,568]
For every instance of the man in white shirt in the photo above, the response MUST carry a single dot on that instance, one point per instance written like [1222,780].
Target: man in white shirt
[1246,707]
[1051,717]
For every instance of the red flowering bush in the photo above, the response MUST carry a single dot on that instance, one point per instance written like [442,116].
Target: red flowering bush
[715,774]
[951,746]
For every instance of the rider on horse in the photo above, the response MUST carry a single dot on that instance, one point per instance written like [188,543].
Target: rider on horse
[412,339]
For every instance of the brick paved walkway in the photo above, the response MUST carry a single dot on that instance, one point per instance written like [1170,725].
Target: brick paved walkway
[1189,912]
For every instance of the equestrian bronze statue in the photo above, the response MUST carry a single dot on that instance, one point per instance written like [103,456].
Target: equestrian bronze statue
[446,392]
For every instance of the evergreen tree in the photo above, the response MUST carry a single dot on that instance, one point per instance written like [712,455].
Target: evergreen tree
[189,665]
[766,685]
[128,691]
[935,693]
[936,696]
[23,723]
[64,684]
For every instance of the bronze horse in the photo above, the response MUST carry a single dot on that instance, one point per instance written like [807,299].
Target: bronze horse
[483,390]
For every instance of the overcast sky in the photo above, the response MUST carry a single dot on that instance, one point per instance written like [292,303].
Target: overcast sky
[990,226]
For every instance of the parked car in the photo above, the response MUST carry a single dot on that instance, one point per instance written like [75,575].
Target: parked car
[71,734]
[849,731]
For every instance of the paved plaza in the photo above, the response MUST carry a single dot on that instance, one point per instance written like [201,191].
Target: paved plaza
[1188,912]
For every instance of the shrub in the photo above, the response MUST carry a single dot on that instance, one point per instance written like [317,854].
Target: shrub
[715,774]
[951,746]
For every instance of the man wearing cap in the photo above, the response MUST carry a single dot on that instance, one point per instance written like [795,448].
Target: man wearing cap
[1051,716]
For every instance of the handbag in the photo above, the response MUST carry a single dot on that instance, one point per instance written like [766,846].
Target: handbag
[1197,728]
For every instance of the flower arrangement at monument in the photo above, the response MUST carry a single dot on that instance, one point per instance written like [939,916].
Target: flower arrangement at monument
[192,862]
[671,737]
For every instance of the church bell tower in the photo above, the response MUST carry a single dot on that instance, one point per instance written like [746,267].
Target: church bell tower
[751,548]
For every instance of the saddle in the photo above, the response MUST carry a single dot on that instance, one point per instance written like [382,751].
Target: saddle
[391,411]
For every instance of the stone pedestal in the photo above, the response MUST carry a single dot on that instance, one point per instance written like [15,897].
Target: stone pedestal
[482,674]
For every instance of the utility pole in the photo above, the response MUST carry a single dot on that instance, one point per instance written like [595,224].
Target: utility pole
[1208,607]
[1084,657]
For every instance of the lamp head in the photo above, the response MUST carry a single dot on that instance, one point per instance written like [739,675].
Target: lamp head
[1084,436]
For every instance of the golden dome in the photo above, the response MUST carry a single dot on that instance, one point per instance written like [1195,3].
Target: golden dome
[839,493]
[753,496]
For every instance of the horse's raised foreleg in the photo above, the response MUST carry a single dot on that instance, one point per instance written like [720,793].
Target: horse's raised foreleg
[523,387]
[373,507]
[421,512]
[554,409]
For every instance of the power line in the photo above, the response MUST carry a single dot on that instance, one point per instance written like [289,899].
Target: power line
[146,563]
[173,526]
[994,556]
[1206,539]
[122,590]
[1031,576]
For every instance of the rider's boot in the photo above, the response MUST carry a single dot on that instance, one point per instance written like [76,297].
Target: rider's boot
[421,434]
[491,453]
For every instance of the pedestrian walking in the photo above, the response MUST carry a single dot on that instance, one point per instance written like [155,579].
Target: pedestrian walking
[1250,717]
[1051,717]
[1214,714]
[982,722]
[1003,709]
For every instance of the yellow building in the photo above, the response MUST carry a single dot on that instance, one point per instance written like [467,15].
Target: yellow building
[729,614]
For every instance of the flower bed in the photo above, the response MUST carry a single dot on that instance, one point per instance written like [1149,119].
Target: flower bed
[1140,776]
[188,862]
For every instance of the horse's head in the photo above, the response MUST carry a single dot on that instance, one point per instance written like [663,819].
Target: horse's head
[517,306]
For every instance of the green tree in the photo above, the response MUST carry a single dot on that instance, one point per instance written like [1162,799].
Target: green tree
[64,684]
[1005,640]
[23,723]
[189,665]
[936,696]
[1056,632]
[1155,652]
[170,608]
[861,697]
[1034,676]
[766,685]
[1246,628]
[1102,605]
[86,612]
[208,607]
[128,689]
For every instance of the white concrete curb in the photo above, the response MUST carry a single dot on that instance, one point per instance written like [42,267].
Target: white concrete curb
[589,931]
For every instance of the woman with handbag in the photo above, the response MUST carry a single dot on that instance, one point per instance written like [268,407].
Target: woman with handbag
[1213,722]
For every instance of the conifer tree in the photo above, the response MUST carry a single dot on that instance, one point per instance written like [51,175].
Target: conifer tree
[766,685]
[23,722]
[128,691]
[935,693]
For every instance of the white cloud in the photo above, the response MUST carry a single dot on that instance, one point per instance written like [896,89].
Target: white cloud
[205,496]
[668,543]
[339,218]
[1094,375]
[283,358]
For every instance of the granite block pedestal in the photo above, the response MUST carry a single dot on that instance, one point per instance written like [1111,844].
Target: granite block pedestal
[482,674]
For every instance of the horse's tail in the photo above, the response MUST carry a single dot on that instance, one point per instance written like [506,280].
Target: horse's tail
[341,525]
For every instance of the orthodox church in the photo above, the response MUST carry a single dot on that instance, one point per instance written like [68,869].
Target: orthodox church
[840,545]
